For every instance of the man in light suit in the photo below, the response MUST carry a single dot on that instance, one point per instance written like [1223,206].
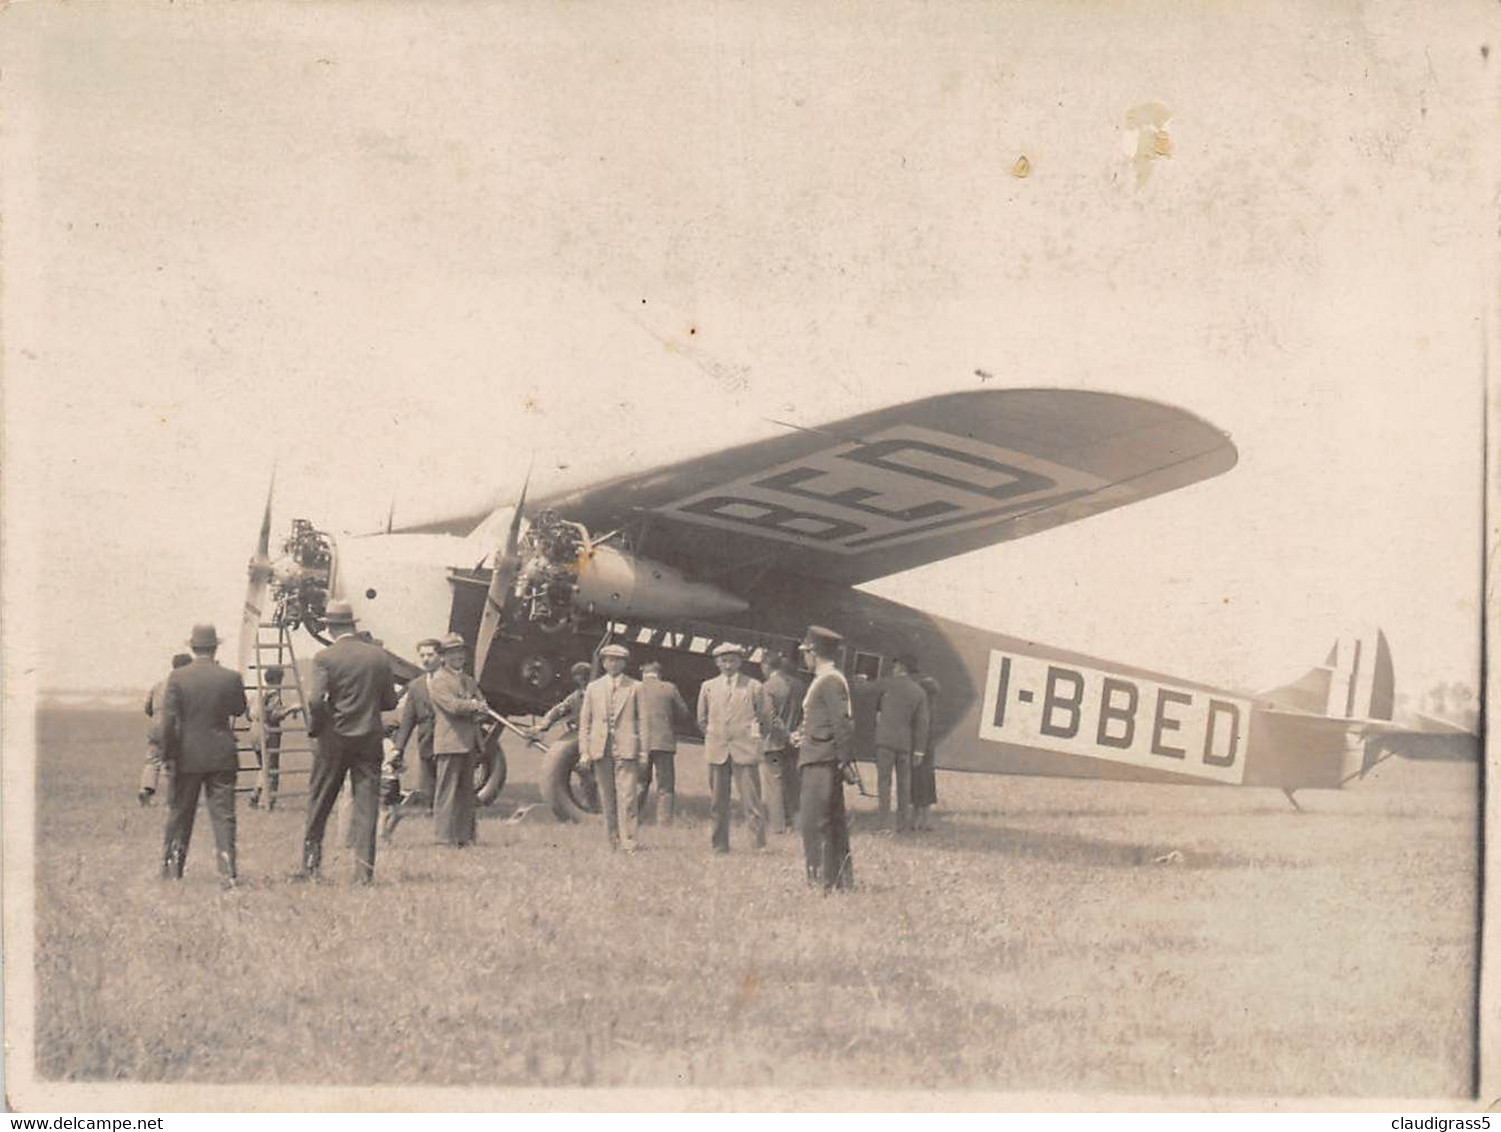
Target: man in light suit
[828,731]
[200,753]
[458,705]
[151,774]
[352,685]
[901,736]
[734,718]
[610,744]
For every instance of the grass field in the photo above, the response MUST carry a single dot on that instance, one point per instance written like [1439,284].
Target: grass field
[1031,942]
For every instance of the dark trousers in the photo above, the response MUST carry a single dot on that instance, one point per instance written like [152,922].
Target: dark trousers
[890,763]
[360,758]
[747,780]
[219,795]
[780,788]
[427,780]
[454,807]
[826,830]
[663,767]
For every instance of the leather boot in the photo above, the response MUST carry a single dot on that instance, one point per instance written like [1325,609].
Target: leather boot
[312,862]
[227,871]
[172,861]
[666,807]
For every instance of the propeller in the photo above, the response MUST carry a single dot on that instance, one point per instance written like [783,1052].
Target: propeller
[257,588]
[500,597]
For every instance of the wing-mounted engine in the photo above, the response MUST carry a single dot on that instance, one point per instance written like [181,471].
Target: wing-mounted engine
[303,576]
[566,573]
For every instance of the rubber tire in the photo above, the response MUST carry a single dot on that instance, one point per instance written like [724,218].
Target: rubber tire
[557,781]
[495,781]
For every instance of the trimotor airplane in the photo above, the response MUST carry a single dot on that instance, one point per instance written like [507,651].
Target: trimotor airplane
[754,543]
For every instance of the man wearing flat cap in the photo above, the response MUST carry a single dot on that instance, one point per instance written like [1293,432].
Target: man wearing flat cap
[901,737]
[198,745]
[828,729]
[734,717]
[458,705]
[352,685]
[610,744]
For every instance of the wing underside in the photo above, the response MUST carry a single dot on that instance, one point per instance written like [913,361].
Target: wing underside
[901,487]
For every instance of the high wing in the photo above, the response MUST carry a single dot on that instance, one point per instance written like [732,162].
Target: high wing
[894,489]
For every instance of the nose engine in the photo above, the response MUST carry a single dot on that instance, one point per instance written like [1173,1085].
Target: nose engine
[303,576]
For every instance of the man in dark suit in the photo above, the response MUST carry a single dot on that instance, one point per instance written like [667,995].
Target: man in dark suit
[828,730]
[901,735]
[784,698]
[352,685]
[663,713]
[199,747]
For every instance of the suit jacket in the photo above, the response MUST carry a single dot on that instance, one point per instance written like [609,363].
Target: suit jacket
[902,722]
[197,705]
[828,727]
[416,715]
[603,733]
[784,700]
[662,709]
[352,685]
[865,698]
[734,718]
[456,699]
[154,700]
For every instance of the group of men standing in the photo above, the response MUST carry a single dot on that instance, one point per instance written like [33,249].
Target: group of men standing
[796,742]
[801,740]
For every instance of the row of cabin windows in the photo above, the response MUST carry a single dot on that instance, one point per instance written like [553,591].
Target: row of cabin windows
[871,665]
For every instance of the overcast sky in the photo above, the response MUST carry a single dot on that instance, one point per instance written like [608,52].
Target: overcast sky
[400,248]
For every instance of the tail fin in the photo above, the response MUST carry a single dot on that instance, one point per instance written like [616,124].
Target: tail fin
[1355,681]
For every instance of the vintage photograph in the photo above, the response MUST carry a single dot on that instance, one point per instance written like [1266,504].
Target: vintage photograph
[762,556]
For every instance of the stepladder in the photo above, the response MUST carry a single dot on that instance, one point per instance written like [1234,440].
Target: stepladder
[272,740]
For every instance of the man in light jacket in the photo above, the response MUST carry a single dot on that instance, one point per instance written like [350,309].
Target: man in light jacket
[610,744]
[733,715]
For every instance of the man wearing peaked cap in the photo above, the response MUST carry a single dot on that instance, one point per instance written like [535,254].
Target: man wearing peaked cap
[352,685]
[734,717]
[197,743]
[610,744]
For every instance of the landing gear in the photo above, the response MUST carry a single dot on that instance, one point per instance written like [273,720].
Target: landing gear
[570,792]
[490,768]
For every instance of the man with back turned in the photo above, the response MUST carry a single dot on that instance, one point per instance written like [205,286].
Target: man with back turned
[352,685]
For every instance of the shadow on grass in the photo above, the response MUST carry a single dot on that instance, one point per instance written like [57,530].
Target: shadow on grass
[1067,848]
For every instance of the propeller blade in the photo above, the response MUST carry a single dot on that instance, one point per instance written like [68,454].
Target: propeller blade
[257,587]
[498,598]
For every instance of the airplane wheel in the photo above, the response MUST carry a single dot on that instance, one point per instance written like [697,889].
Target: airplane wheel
[490,770]
[571,795]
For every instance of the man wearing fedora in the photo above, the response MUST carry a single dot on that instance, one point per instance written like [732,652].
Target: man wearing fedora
[199,747]
[352,685]
[828,729]
[610,744]
[733,715]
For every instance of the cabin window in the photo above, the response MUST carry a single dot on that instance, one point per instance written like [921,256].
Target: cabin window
[868,664]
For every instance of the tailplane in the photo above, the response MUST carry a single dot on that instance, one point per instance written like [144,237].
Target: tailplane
[1356,681]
